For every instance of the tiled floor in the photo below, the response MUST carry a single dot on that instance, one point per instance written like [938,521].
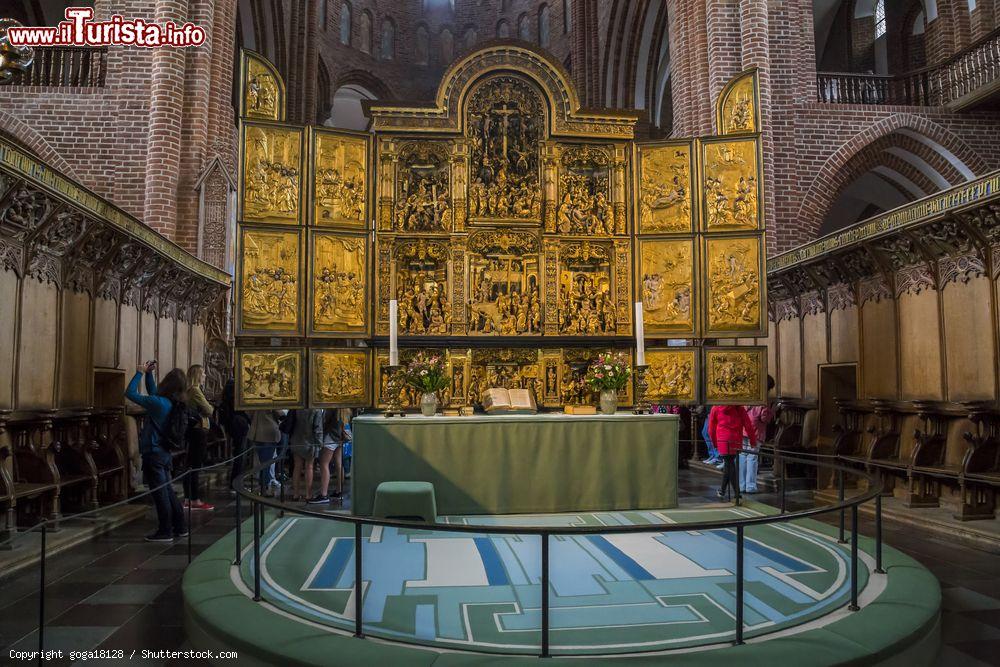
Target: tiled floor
[120,593]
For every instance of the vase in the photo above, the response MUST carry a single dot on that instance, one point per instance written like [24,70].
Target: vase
[428,404]
[609,401]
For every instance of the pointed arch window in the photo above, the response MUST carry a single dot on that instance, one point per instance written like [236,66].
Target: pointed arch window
[523,30]
[345,23]
[503,30]
[366,32]
[543,25]
[387,48]
[423,45]
[447,46]
[879,18]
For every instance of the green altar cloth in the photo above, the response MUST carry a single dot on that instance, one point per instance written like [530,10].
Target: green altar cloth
[514,464]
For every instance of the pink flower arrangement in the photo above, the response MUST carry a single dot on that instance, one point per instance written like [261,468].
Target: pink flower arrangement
[609,371]
[426,372]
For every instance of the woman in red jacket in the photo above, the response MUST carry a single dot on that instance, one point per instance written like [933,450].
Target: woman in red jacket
[726,426]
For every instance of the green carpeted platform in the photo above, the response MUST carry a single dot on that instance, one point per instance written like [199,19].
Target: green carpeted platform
[899,624]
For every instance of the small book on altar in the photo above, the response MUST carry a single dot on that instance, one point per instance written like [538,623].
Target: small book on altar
[509,401]
[580,409]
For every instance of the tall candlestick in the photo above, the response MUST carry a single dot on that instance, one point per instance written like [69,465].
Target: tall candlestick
[393,325]
[640,336]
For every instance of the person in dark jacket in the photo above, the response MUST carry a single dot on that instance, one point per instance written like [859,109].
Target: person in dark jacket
[236,423]
[726,426]
[157,462]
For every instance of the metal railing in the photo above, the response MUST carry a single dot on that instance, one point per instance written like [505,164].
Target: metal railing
[65,67]
[43,528]
[843,505]
[936,85]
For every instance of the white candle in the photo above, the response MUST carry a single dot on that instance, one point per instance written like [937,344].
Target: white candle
[393,325]
[640,336]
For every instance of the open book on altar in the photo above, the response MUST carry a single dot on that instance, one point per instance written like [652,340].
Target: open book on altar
[509,401]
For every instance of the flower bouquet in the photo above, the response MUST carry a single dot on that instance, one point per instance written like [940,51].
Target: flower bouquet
[609,374]
[427,374]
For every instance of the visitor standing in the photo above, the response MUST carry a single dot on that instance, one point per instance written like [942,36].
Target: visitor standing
[760,417]
[265,437]
[159,402]
[334,437]
[713,453]
[305,441]
[236,424]
[726,426]
[197,440]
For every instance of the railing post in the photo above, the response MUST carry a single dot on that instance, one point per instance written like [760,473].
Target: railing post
[256,551]
[840,497]
[359,589]
[41,598]
[854,558]
[878,534]
[545,595]
[239,528]
[736,483]
[189,526]
[739,583]
[781,480]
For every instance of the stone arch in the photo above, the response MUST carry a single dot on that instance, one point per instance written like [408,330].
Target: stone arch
[365,79]
[832,176]
[566,117]
[23,134]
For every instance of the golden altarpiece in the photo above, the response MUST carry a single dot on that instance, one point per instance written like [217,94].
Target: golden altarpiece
[514,229]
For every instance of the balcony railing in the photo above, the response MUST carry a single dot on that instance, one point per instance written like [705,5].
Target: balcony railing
[938,85]
[65,67]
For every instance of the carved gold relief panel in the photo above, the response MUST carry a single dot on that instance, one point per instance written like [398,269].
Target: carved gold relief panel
[263,89]
[733,286]
[585,198]
[504,283]
[339,378]
[421,282]
[339,284]
[270,285]
[666,188]
[738,108]
[731,189]
[271,176]
[673,375]
[423,199]
[587,295]
[340,179]
[665,280]
[269,378]
[735,375]
[505,125]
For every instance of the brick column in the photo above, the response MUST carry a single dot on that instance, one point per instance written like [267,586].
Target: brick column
[220,110]
[689,67]
[724,46]
[166,107]
[194,135]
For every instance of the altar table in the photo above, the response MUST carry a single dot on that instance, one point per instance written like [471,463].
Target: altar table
[519,464]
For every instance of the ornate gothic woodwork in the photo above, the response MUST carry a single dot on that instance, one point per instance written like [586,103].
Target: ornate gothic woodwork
[54,231]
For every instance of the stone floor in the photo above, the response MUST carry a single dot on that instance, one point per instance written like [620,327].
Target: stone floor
[120,593]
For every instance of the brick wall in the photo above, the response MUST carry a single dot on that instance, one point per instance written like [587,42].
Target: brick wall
[142,139]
